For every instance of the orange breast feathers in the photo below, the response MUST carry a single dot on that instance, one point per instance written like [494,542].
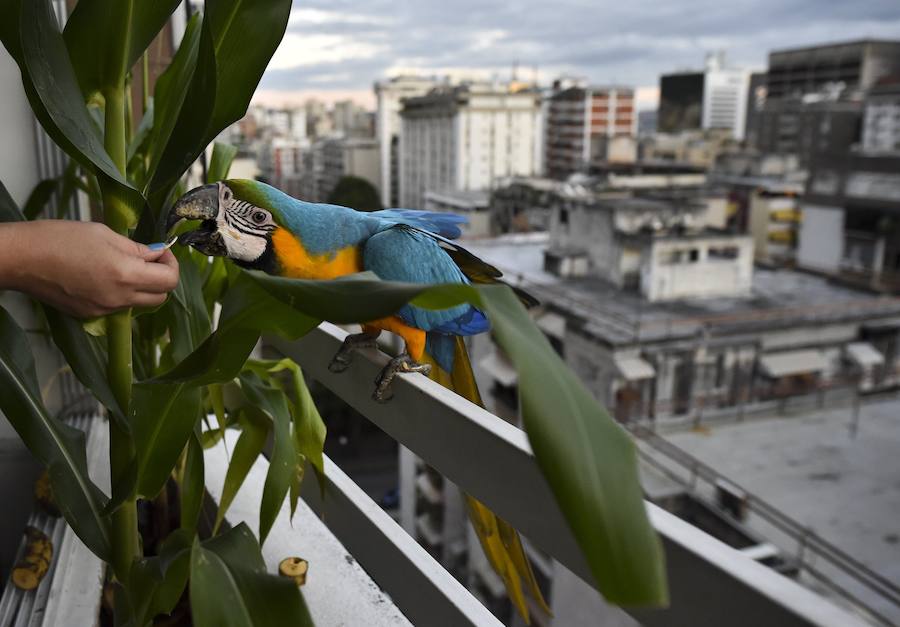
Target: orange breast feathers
[297,263]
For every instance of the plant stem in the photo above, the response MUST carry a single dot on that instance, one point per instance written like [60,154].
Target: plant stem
[145,82]
[119,369]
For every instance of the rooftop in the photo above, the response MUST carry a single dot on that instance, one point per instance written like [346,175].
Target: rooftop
[835,45]
[462,197]
[845,488]
[621,317]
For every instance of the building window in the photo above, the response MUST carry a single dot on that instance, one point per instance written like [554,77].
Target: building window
[563,216]
[724,253]
[670,257]
[694,255]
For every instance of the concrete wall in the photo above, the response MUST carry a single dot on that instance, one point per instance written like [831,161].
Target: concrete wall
[663,278]
[821,240]
[590,230]
[18,161]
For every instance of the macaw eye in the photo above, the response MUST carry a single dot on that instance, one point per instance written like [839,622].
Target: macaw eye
[259,217]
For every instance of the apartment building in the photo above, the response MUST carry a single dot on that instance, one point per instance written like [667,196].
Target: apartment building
[467,138]
[713,98]
[389,95]
[584,124]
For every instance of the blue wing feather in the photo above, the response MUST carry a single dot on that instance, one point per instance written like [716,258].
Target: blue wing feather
[412,256]
[443,224]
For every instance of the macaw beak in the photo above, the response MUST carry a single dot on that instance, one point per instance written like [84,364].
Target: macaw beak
[201,203]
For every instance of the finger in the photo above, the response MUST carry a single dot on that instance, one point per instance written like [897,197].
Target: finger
[152,252]
[155,278]
[168,259]
[146,299]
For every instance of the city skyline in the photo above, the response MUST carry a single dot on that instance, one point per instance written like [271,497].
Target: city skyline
[337,50]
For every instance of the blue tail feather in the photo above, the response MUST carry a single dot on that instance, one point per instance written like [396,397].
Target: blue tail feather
[442,349]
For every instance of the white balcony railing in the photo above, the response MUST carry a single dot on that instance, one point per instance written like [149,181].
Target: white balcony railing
[710,582]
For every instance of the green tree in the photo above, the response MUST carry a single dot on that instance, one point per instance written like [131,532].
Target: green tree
[355,192]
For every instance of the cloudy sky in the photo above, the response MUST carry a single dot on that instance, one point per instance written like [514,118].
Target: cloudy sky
[336,48]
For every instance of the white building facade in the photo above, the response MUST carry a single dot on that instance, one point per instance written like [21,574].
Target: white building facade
[725,92]
[466,138]
[389,95]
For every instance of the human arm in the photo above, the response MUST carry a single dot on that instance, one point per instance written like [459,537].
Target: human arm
[83,268]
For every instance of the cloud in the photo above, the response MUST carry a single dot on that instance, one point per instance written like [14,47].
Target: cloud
[319,50]
[345,45]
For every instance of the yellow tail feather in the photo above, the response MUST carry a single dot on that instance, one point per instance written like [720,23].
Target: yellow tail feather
[499,540]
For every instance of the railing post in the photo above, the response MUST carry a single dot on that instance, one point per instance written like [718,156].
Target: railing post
[854,421]
[801,548]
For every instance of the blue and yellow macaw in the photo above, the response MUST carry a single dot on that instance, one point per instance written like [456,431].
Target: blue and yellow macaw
[262,228]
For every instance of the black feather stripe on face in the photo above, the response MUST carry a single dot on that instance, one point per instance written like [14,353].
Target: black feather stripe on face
[239,216]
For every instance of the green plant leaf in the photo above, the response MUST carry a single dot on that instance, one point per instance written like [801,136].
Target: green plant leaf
[283,460]
[220,163]
[308,427]
[156,583]
[215,283]
[230,587]
[185,312]
[128,27]
[227,73]
[9,210]
[162,418]
[168,100]
[589,461]
[254,431]
[247,311]
[192,486]
[31,35]
[141,135]
[60,447]
[85,354]
[39,197]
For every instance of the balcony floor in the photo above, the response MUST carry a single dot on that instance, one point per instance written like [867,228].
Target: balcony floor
[338,591]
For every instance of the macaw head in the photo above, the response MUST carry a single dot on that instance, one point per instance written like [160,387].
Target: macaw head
[237,221]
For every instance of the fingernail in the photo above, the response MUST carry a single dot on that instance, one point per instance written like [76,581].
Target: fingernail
[156,246]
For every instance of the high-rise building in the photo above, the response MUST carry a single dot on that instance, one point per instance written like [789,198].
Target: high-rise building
[465,138]
[756,101]
[814,97]
[881,118]
[318,122]
[855,65]
[351,120]
[390,94]
[580,122]
[280,164]
[348,157]
[715,98]
[288,122]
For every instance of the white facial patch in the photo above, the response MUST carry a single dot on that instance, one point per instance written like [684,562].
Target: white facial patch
[242,246]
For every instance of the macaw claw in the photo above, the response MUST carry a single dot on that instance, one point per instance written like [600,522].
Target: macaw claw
[403,363]
[344,357]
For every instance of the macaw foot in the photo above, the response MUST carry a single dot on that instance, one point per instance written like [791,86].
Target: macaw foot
[344,357]
[403,363]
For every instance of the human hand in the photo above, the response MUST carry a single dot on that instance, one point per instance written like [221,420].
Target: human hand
[83,268]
